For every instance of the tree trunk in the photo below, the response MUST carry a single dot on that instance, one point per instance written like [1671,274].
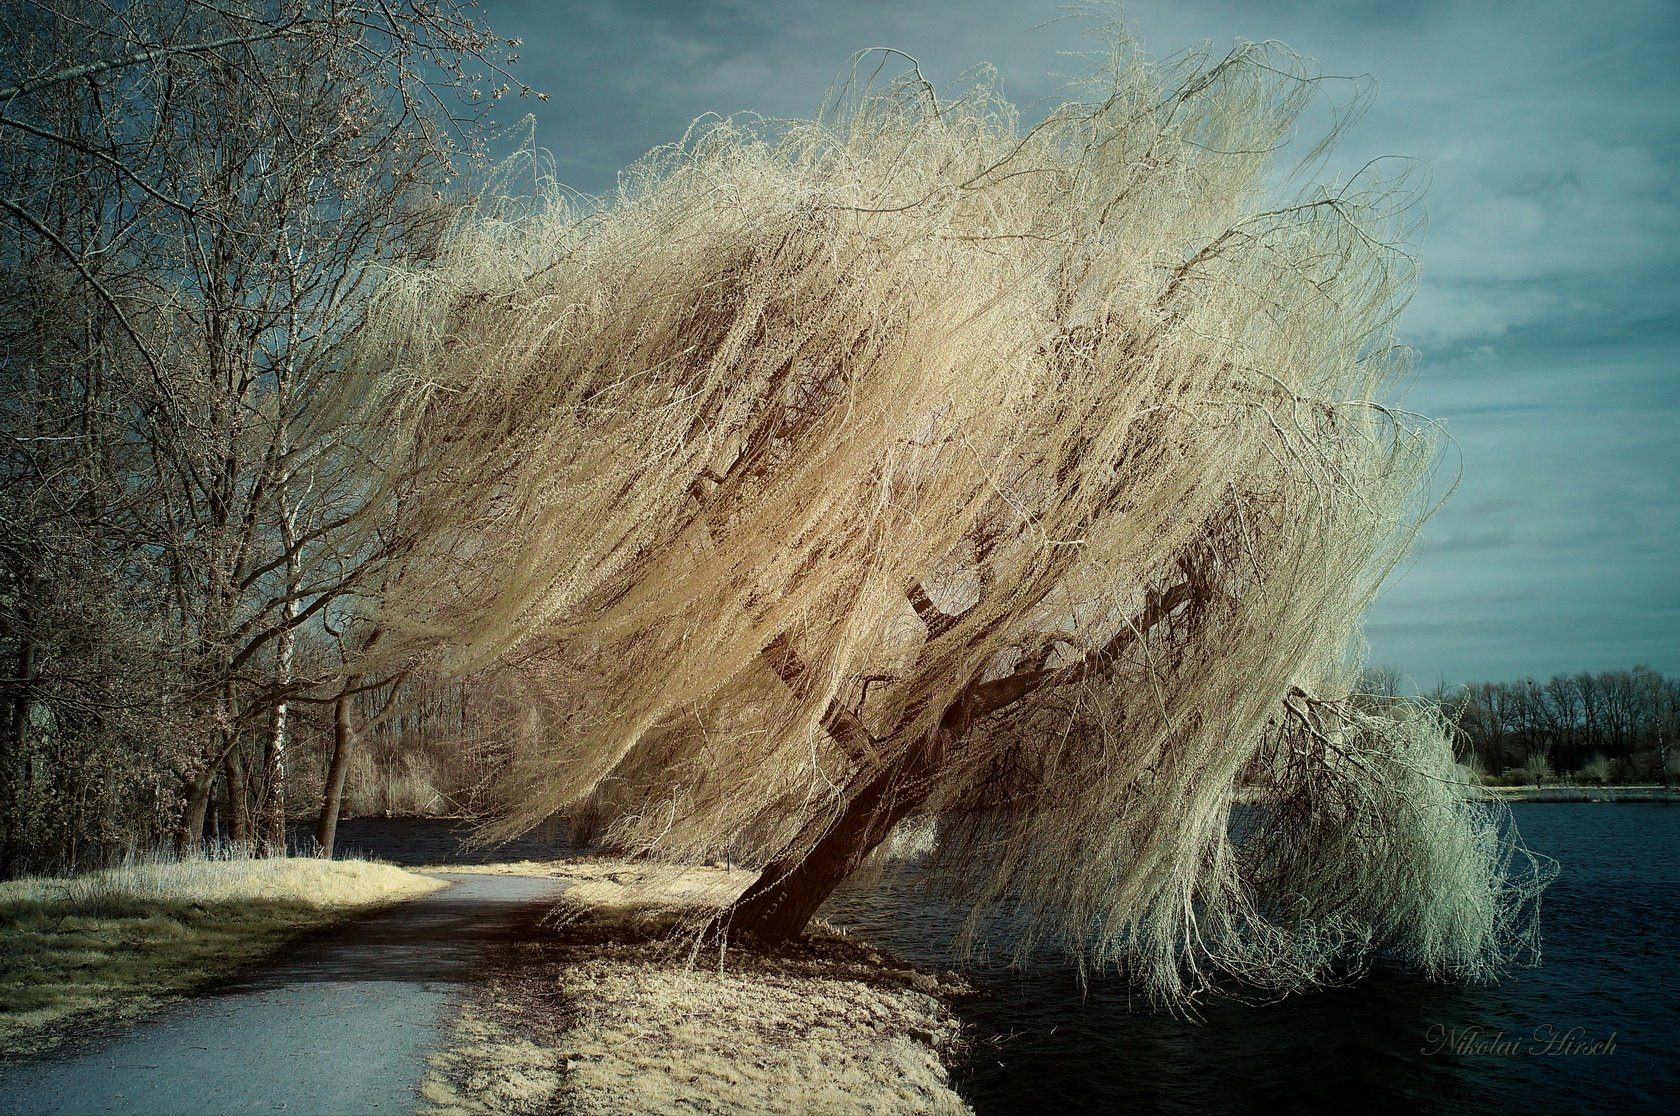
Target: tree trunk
[271,824]
[344,741]
[213,819]
[778,905]
[189,835]
[17,739]
[237,805]
[200,811]
[19,773]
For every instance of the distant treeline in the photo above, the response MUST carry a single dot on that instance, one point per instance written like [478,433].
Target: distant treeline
[1613,726]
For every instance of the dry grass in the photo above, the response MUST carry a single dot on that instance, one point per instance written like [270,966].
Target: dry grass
[613,1015]
[110,945]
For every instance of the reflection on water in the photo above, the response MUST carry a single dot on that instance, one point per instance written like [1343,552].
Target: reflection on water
[1611,966]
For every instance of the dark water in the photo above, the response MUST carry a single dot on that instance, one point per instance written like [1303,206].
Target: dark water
[414,842]
[1610,966]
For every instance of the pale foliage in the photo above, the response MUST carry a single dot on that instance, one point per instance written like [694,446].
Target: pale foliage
[1116,411]
[1598,768]
[1536,767]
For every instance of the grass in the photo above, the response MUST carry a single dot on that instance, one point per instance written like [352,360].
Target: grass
[605,1013]
[108,946]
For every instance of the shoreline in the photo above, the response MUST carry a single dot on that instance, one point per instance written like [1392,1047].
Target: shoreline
[1581,794]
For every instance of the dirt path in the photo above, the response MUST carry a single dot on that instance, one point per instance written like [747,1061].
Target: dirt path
[340,1022]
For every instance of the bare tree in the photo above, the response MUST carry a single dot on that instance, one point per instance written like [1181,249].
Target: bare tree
[213,182]
[1563,718]
[1660,700]
[1381,683]
[1596,724]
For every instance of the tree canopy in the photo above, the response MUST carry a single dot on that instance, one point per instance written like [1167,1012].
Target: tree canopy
[911,465]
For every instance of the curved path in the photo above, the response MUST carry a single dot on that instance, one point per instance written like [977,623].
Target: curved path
[340,1021]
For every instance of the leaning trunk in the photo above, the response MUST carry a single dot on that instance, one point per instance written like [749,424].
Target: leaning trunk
[778,905]
[344,741]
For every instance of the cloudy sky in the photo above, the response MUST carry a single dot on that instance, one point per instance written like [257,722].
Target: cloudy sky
[1546,325]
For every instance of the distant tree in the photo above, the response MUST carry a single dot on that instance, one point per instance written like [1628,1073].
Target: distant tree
[1660,706]
[1537,768]
[1491,719]
[1533,724]
[1618,723]
[1562,706]
[1381,682]
[1619,696]
[1592,721]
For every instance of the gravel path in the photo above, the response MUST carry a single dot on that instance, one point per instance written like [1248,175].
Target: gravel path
[338,1022]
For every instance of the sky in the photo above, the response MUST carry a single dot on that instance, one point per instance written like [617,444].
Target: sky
[1546,324]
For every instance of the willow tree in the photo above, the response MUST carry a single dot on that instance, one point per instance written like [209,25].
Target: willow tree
[907,463]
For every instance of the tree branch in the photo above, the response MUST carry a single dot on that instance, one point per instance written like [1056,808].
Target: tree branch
[1000,693]
[937,620]
[104,65]
[842,724]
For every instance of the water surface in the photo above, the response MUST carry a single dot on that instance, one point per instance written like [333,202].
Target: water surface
[1610,966]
